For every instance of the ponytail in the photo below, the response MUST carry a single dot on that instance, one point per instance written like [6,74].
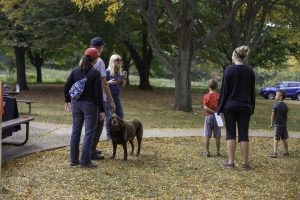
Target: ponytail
[85,64]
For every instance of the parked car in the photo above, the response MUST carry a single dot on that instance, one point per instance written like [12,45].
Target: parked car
[291,88]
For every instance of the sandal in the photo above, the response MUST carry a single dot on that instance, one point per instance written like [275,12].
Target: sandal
[273,155]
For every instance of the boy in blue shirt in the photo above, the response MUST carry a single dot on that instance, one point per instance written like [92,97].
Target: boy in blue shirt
[279,123]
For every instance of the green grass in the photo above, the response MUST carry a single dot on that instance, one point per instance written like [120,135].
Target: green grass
[48,76]
[168,168]
[153,108]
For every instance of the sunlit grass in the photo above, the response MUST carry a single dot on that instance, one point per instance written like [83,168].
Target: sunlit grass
[168,168]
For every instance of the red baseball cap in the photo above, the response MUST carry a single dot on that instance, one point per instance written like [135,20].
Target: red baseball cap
[91,52]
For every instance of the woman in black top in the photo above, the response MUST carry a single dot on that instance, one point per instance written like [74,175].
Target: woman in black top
[85,109]
[237,103]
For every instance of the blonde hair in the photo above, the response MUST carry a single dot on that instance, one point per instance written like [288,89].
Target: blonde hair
[111,65]
[241,54]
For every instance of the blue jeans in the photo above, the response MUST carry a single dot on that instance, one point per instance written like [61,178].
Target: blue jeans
[82,111]
[119,111]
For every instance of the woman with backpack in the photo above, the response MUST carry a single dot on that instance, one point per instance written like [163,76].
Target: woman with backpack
[84,107]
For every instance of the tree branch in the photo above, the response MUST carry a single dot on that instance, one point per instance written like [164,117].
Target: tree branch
[148,11]
[172,13]
[206,39]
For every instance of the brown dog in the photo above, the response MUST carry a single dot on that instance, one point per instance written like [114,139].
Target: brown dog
[122,131]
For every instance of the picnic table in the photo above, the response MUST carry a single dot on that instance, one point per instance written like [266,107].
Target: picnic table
[11,121]
[13,93]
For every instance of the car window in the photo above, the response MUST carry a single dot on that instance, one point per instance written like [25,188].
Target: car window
[283,85]
[292,84]
[277,85]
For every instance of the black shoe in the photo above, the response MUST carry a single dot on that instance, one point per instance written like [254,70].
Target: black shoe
[90,165]
[286,154]
[97,151]
[73,163]
[246,166]
[227,165]
[97,156]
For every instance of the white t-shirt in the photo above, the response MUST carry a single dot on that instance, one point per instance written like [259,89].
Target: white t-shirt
[100,66]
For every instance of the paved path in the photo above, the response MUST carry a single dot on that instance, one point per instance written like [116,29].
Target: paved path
[45,136]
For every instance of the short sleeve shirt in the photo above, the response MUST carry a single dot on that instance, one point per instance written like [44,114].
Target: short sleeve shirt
[211,101]
[100,66]
[280,109]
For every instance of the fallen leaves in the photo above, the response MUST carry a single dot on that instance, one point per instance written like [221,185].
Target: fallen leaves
[168,168]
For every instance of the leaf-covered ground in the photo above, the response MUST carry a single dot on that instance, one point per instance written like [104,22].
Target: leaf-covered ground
[168,168]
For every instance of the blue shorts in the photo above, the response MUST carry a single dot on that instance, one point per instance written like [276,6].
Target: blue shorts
[211,126]
[281,132]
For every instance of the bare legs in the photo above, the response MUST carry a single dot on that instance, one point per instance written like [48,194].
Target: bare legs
[245,151]
[275,146]
[207,145]
[286,147]
[218,143]
[231,146]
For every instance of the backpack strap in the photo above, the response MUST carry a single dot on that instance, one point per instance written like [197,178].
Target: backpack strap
[89,73]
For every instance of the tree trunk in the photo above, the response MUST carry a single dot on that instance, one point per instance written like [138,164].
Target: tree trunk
[126,64]
[38,73]
[182,72]
[183,90]
[144,79]
[20,63]
[143,66]
[37,59]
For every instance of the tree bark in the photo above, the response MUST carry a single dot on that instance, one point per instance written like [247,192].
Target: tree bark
[126,64]
[37,59]
[142,65]
[20,64]
[182,72]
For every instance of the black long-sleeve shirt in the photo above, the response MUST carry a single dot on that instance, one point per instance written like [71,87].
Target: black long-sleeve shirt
[238,88]
[92,89]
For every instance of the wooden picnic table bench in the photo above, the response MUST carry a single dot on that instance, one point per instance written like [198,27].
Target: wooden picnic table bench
[28,102]
[15,122]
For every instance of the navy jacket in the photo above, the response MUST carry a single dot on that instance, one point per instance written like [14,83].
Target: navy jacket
[238,88]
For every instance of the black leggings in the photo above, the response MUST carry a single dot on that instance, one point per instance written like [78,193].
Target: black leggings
[239,115]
